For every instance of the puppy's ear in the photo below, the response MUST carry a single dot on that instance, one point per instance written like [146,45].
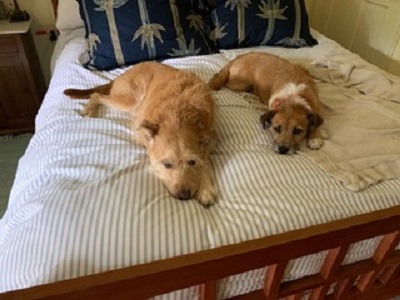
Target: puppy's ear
[315,120]
[278,103]
[151,129]
[266,119]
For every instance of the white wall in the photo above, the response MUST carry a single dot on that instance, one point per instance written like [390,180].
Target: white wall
[394,66]
[41,12]
[370,28]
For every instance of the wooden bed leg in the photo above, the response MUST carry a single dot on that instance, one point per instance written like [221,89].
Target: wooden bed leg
[329,270]
[384,250]
[343,288]
[295,297]
[208,291]
[390,274]
[273,278]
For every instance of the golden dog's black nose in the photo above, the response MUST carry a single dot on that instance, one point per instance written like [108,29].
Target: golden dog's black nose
[184,194]
[283,149]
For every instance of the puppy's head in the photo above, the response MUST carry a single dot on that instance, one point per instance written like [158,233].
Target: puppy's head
[177,157]
[289,125]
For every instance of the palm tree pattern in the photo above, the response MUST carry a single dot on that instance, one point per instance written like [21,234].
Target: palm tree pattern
[109,6]
[295,40]
[92,39]
[241,5]
[184,47]
[218,31]
[148,31]
[271,12]
[123,32]
[196,22]
[244,18]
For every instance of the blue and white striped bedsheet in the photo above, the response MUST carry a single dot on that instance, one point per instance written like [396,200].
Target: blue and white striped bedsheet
[84,200]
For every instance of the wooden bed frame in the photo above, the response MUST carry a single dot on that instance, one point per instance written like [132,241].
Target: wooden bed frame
[375,278]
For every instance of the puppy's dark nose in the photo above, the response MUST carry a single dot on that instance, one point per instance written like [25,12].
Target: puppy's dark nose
[183,194]
[283,149]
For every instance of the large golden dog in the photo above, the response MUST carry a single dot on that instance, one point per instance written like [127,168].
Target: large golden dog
[173,117]
[288,90]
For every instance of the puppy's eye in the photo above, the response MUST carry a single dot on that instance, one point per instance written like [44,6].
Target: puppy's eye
[167,165]
[277,129]
[297,131]
[191,162]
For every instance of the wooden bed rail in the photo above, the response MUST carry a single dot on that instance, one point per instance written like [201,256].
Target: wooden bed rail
[375,278]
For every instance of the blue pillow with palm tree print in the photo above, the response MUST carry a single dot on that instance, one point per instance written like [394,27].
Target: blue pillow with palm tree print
[125,32]
[245,23]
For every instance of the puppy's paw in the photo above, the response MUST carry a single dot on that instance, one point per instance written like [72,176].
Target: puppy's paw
[84,114]
[315,144]
[206,196]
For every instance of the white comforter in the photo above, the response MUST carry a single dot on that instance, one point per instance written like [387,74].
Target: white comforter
[84,200]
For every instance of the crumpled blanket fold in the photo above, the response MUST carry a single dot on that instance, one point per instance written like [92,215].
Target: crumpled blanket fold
[362,117]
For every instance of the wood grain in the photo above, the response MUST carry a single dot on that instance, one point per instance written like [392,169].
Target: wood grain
[147,280]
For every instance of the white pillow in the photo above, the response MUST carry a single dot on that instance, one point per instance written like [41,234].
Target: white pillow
[68,17]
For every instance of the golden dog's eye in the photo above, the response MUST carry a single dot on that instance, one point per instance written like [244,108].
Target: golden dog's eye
[191,162]
[297,131]
[168,165]
[277,129]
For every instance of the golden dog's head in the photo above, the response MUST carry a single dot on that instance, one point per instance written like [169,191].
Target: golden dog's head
[178,156]
[289,125]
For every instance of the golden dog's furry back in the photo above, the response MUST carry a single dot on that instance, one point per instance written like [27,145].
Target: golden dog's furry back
[173,117]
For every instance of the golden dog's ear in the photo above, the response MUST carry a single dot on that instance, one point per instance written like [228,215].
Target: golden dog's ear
[151,129]
[266,119]
[208,138]
[315,120]
[207,142]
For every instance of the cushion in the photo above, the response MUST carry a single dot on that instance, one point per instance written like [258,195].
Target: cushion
[68,17]
[245,23]
[124,32]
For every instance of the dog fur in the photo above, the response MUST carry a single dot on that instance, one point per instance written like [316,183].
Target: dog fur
[287,89]
[173,117]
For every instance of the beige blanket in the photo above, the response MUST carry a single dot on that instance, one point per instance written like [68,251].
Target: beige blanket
[362,118]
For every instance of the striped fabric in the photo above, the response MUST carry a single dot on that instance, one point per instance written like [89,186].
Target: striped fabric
[84,200]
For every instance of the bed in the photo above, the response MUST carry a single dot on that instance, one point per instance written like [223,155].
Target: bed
[88,220]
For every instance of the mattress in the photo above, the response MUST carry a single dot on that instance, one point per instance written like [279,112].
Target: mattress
[84,200]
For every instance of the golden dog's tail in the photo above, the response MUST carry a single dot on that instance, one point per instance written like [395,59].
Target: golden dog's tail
[85,94]
[221,78]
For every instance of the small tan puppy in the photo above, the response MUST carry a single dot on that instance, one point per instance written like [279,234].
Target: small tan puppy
[288,90]
[173,117]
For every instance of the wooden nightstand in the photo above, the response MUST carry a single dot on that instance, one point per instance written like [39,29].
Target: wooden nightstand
[22,86]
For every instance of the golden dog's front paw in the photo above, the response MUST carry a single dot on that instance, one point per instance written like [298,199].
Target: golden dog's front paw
[84,113]
[88,112]
[206,196]
[315,144]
